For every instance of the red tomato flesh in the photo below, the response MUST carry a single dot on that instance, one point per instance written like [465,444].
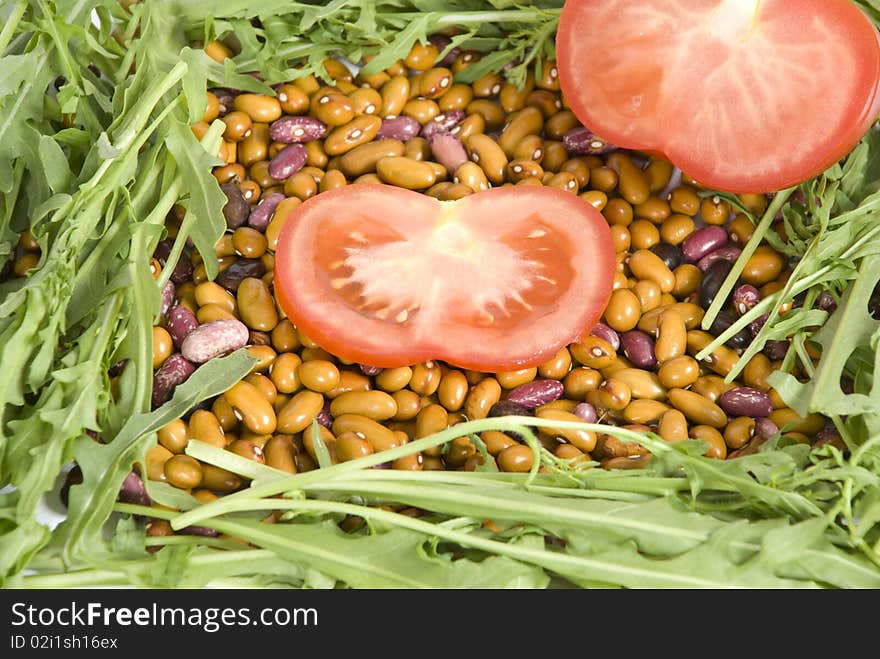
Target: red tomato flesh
[742,95]
[496,281]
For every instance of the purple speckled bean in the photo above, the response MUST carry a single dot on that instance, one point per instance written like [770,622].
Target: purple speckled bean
[582,141]
[398,128]
[702,242]
[606,333]
[586,412]
[181,321]
[638,347]
[324,417]
[536,393]
[174,371]
[509,408]
[133,491]
[370,370]
[745,296]
[291,130]
[168,296]
[287,162]
[745,401]
[264,210]
[727,253]
[443,123]
[214,339]
[448,150]
[765,428]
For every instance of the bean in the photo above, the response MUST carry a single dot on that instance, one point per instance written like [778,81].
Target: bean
[711,386]
[644,235]
[727,253]
[133,490]
[676,229]
[318,375]
[183,471]
[376,405]
[481,398]
[509,408]
[238,126]
[745,401]
[721,360]
[181,321]
[431,419]
[745,296]
[406,172]
[298,413]
[517,458]
[697,408]
[594,352]
[262,213]
[484,151]
[679,372]
[536,393]
[638,347]
[645,264]
[380,437]
[280,452]
[670,254]
[717,447]
[673,426]
[214,339]
[604,332]
[557,366]
[399,128]
[231,277]
[168,292]
[644,411]
[349,381]
[219,480]
[642,383]
[613,394]
[359,130]
[456,97]
[764,427]
[163,346]
[684,199]
[654,209]
[618,211]
[583,141]
[739,431]
[256,306]
[633,184]
[363,159]
[711,282]
[703,241]
[174,371]
[514,379]
[173,435]
[393,379]
[287,162]
[585,412]
[236,209]
[183,269]
[442,123]
[351,446]
[738,341]
[297,129]
[585,440]
[155,459]
[764,266]
[623,311]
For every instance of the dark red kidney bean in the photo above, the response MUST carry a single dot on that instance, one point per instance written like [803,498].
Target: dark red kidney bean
[398,128]
[237,209]
[536,393]
[295,130]
[582,141]
[116,369]
[606,333]
[134,491]
[264,210]
[756,325]
[670,254]
[724,320]
[441,41]
[168,293]
[702,242]
[775,349]
[586,412]
[232,276]
[727,253]
[213,339]
[183,269]
[509,408]
[73,477]
[745,296]
[826,302]
[174,371]
[745,401]
[443,123]
[765,428]
[288,162]
[203,531]
[638,347]
[448,150]
[324,417]
[181,321]
[711,282]
[370,370]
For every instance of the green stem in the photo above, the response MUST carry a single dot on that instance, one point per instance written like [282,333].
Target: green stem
[12,23]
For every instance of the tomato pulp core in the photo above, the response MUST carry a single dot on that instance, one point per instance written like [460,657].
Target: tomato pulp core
[444,270]
[734,20]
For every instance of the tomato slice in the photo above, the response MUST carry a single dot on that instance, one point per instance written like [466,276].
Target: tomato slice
[742,95]
[499,280]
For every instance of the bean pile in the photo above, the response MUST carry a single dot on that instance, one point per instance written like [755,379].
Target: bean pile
[413,126]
